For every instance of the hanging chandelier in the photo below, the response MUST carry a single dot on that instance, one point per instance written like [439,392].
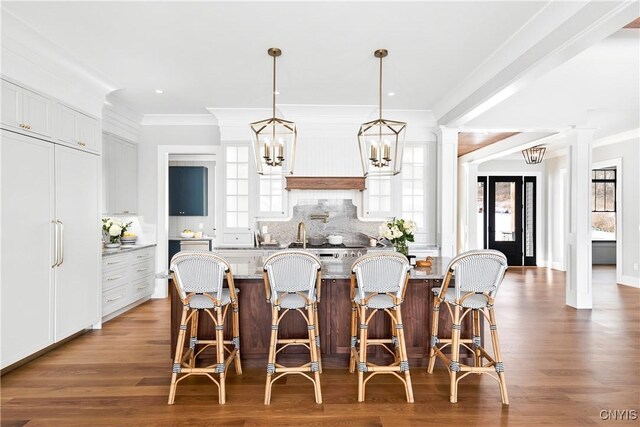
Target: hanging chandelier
[381,141]
[274,139]
[534,155]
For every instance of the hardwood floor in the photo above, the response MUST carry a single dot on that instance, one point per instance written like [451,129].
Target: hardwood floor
[563,368]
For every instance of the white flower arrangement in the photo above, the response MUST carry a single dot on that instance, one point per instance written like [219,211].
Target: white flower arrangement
[114,229]
[398,232]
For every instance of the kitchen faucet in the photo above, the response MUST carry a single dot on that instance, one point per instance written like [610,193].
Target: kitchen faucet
[302,227]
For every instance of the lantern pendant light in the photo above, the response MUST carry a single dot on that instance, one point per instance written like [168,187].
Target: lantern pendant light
[534,155]
[381,141]
[274,139]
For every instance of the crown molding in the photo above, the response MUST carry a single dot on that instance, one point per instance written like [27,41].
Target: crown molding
[31,58]
[178,120]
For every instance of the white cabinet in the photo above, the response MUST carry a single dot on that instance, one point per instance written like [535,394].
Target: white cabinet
[25,110]
[76,129]
[49,269]
[127,279]
[120,175]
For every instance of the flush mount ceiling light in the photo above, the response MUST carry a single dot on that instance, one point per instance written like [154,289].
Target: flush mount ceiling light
[274,139]
[381,141]
[159,91]
[534,155]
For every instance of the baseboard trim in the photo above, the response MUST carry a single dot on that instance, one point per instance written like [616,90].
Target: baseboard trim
[634,282]
[557,266]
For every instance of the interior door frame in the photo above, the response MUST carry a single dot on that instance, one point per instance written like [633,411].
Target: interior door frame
[541,227]
[517,243]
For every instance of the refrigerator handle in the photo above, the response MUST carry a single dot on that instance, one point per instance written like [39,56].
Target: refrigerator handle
[55,243]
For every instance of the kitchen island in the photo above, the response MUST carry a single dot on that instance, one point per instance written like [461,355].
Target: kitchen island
[334,312]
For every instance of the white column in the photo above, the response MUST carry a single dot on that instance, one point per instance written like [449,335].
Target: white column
[472,207]
[447,196]
[578,253]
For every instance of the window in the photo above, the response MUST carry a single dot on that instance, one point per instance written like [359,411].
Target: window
[271,196]
[237,186]
[413,192]
[603,204]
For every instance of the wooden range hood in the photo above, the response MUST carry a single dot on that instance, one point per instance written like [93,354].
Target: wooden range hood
[325,183]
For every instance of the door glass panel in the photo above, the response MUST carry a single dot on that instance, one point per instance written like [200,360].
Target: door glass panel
[505,196]
[528,220]
[480,212]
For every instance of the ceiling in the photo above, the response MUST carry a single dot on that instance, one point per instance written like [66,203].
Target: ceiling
[206,54]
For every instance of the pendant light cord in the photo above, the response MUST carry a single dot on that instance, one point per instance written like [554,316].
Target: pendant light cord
[273,92]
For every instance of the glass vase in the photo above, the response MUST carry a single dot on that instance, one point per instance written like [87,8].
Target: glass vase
[401,247]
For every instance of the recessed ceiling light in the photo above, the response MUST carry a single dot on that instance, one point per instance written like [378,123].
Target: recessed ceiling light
[391,93]
[159,91]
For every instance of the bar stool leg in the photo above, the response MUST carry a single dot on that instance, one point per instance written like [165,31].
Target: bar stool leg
[220,354]
[477,354]
[498,357]
[315,368]
[353,358]
[404,360]
[362,352]
[177,358]
[435,317]
[236,335]
[454,366]
[317,336]
[271,363]
[194,338]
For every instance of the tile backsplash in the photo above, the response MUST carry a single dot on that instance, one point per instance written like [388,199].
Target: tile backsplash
[342,220]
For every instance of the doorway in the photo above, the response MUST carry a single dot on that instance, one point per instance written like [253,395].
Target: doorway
[509,217]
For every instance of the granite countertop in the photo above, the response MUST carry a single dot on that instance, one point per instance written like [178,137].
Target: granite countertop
[125,248]
[250,267]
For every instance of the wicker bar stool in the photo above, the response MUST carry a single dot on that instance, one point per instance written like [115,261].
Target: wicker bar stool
[381,280]
[478,275]
[199,277]
[292,282]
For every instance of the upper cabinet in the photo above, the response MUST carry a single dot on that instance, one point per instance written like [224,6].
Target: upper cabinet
[31,113]
[120,175]
[25,110]
[188,190]
[77,129]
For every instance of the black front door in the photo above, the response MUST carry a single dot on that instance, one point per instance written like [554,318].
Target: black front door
[505,217]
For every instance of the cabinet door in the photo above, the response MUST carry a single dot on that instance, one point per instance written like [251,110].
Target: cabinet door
[36,112]
[27,245]
[77,281]
[11,104]
[195,191]
[67,129]
[176,196]
[129,163]
[88,133]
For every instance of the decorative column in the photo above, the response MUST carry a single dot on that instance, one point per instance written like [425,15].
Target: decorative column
[472,208]
[447,194]
[578,240]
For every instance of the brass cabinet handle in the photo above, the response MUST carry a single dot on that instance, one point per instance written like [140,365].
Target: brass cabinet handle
[142,288]
[82,144]
[113,263]
[142,269]
[109,279]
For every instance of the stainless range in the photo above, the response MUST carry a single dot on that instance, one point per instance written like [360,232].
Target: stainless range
[327,252]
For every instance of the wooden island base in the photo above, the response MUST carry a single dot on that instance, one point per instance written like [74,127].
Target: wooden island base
[334,318]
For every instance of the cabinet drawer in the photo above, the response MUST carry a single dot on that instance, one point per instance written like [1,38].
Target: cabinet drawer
[237,238]
[142,255]
[115,299]
[114,277]
[141,269]
[114,262]
[142,288]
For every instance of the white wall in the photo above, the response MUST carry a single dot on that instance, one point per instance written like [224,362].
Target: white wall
[629,152]
[151,137]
